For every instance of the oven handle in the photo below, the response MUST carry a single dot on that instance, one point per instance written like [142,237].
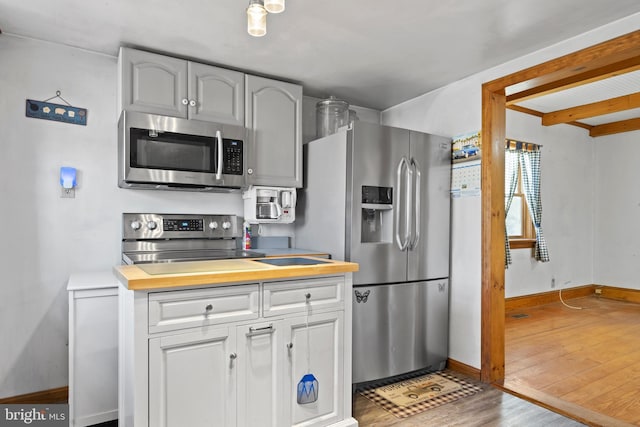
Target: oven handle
[219,170]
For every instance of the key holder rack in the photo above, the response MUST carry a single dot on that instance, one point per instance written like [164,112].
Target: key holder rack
[65,113]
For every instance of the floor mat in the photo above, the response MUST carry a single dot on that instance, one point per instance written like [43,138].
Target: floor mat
[413,396]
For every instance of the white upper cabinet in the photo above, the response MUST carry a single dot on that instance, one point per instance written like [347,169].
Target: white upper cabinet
[159,84]
[218,94]
[274,120]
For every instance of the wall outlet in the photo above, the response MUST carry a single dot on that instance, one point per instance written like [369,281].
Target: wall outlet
[68,193]
[553,282]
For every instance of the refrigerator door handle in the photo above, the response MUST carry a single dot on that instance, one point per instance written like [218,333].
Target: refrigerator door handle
[418,205]
[409,203]
[402,244]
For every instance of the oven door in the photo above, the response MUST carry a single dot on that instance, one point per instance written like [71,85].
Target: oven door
[167,152]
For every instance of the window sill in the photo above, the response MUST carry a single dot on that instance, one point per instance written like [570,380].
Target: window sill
[522,243]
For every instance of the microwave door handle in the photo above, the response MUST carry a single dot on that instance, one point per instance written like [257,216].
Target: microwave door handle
[219,169]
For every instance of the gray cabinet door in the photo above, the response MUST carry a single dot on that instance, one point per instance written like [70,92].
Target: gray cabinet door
[216,94]
[153,83]
[273,117]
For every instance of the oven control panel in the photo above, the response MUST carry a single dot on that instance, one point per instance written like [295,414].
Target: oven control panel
[139,226]
[183,224]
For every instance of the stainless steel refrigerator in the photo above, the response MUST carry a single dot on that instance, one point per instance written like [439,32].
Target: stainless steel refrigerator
[379,196]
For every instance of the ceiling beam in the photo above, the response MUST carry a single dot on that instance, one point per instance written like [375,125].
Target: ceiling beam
[615,127]
[540,114]
[608,106]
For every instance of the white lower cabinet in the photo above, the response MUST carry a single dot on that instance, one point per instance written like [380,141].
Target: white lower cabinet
[315,346]
[259,355]
[235,372]
[192,379]
[93,348]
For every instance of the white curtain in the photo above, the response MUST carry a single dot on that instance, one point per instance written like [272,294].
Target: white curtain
[510,185]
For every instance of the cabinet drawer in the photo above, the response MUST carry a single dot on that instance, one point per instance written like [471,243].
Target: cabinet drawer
[186,309]
[294,295]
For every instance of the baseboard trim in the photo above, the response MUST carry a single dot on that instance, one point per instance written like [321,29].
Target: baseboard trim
[525,301]
[620,294]
[54,395]
[464,369]
[603,291]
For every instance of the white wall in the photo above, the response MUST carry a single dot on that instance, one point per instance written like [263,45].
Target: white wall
[456,109]
[617,211]
[46,238]
[567,202]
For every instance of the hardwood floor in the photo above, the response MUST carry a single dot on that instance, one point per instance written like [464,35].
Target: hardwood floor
[585,362]
[490,407]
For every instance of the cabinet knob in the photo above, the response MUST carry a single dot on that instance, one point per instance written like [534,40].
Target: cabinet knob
[185,101]
[307,296]
[192,102]
[209,307]
[250,171]
[233,356]
[290,345]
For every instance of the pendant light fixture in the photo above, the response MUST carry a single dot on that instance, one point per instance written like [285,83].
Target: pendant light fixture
[256,18]
[257,15]
[274,6]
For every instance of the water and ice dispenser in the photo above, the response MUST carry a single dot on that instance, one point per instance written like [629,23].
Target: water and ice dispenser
[377,214]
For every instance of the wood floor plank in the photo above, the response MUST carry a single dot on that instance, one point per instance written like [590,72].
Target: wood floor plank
[588,359]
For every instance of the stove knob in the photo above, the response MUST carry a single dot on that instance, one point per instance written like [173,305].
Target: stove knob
[152,225]
[226,225]
[136,225]
[213,225]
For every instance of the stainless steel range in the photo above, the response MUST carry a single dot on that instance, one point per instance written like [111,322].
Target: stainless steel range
[158,242]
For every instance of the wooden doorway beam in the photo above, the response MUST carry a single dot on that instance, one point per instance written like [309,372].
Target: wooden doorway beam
[494,104]
[592,75]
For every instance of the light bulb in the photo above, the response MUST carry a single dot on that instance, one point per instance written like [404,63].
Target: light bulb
[274,6]
[256,18]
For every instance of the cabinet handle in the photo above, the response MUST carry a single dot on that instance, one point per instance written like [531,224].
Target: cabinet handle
[290,346]
[261,331]
[209,307]
[185,101]
[233,356]
[192,102]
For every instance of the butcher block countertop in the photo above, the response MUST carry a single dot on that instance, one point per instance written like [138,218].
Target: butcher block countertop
[194,273]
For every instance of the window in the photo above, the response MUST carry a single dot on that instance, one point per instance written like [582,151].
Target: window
[522,177]
[519,225]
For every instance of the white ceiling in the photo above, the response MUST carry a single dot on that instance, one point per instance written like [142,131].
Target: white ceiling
[371,53]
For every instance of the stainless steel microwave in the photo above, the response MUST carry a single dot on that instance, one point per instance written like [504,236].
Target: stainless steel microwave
[169,153]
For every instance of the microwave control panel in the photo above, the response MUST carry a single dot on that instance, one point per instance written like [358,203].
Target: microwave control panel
[232,157]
